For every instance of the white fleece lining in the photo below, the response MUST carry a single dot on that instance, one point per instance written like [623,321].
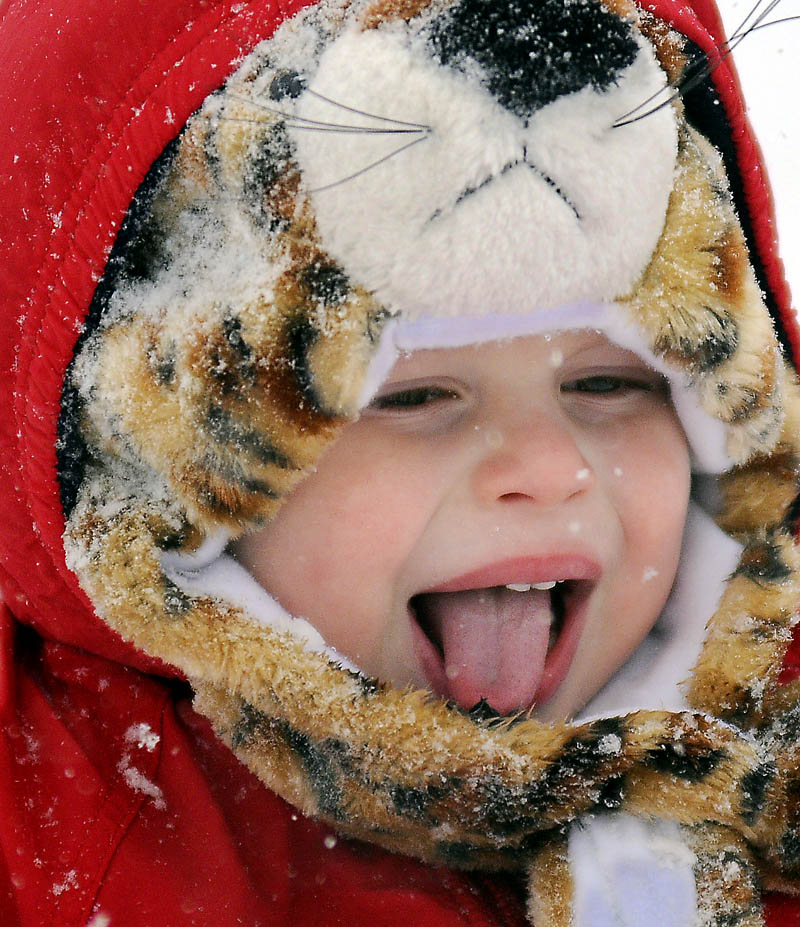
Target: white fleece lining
[707,436]
[630,872]
[652,678]
[226,580]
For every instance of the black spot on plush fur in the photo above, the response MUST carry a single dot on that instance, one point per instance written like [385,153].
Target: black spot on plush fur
[584,755]
[755,786]
[791,521]
[147,255]
[326,283]
[488,717]
[718,342]
[685,762]
[367,684]
[164,368]
[534,51]
[787,730]
[500,810]
[482,711]
[301,337]
[250,719]
[458,854]
[612,795]
[232,330]
[414,802]
[762,562]
[410,802]
[222,426]
[286,84]
[264,169]
[176,602]
[790,849]
[318,762]
[174,539]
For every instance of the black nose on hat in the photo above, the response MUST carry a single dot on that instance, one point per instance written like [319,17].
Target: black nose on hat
[531,52]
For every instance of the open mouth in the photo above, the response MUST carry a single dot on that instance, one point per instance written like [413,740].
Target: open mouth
[510,645]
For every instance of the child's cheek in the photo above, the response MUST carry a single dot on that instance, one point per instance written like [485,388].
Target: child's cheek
[647,475]
[370,521]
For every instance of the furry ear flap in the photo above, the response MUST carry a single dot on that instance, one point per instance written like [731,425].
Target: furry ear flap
[229,370]
[702,310]
[550,887]
[234,409]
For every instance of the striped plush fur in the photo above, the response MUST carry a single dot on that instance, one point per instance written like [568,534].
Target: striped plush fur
[214,380]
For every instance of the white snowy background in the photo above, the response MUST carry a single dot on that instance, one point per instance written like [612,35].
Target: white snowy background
[769,67]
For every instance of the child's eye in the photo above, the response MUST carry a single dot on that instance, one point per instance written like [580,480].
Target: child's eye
[608,385]
[411,398]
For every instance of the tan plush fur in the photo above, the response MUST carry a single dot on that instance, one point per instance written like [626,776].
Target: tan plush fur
[727,879]
[701,307]
[202,415]
[267,694]
[550,885]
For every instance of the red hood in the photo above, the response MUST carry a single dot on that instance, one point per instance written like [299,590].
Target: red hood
[92,94]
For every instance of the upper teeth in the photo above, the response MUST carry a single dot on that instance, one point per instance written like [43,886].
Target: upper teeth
[526,587]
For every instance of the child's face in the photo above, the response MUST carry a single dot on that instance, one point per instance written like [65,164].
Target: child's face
[512,463]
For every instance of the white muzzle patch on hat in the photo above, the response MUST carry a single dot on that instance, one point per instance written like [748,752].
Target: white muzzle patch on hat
[416,199]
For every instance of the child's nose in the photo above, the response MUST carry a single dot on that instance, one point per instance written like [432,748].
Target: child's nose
[538,461]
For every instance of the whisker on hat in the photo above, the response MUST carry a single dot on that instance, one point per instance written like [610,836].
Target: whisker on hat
[362,112]
[369,167]
[697,73]
[326,127]
[303,122]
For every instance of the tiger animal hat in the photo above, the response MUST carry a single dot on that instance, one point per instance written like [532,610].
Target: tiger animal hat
[384,175]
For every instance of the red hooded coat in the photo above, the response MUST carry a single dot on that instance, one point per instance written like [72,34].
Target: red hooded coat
[91,94]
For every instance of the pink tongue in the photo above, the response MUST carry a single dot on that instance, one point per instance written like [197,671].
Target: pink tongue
[494,641]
